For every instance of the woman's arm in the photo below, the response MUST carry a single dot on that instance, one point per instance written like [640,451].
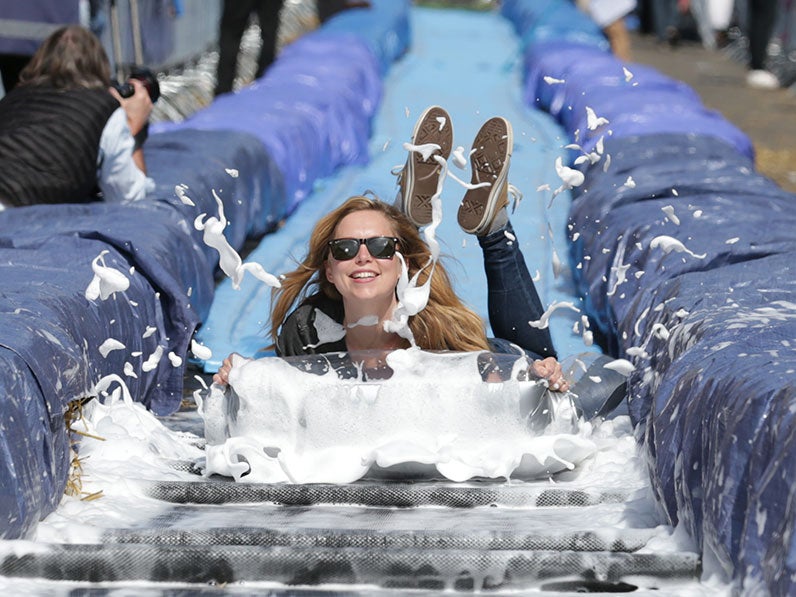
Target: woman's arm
[121,172]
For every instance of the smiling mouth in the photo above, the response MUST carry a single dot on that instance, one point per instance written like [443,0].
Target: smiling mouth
[363,275]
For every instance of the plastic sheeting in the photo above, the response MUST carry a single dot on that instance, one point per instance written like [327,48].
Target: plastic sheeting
[685,257]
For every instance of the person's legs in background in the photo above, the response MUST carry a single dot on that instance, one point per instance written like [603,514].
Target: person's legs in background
[619,38]
[234,20]
[665,17]
[268,15]
[762,18]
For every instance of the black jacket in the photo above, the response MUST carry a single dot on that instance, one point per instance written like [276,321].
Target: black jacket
[298,335]
[49,143]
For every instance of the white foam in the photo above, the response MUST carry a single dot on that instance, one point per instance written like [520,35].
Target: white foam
[109,345]
[668,244]
[106,280]
[200,351]
[229,261]
[544,320]
[593,121]
[283,424]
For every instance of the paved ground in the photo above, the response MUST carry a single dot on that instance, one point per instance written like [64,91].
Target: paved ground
[768,117]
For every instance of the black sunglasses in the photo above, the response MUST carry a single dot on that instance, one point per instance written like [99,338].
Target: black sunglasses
[380,247]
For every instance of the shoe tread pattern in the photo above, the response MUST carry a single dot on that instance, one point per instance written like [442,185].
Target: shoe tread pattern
[434,127]
[489,156]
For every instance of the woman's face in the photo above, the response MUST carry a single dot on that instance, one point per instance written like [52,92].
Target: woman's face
[365,281]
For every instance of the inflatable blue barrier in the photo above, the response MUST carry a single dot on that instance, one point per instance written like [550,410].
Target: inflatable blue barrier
[714,182]
[51,333]
[384,28]
[311,110]
[719,434]
[553,20]
[636,100]
[234,164]
[684,255]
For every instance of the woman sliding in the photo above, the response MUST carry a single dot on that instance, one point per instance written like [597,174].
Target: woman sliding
[353,290]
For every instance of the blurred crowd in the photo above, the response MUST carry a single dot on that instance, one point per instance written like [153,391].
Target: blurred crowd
[761,33]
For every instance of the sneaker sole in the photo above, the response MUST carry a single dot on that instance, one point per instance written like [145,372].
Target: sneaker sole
[422,177]
[489,162]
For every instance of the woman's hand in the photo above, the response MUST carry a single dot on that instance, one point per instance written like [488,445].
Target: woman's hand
[550,369]
[222,375]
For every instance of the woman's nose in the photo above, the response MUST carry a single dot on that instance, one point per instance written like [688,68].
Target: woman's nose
[363,255]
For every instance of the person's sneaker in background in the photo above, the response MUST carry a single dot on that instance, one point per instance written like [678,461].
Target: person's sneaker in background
[762,79]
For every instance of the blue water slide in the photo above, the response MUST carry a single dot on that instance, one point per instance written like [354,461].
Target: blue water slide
[436,70]
[684,253]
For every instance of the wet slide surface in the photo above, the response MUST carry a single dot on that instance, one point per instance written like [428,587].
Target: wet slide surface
[469,63]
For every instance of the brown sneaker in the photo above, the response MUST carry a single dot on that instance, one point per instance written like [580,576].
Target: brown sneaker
[420,177]
[489,161]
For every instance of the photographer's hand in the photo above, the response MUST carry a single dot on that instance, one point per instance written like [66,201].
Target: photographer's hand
[138,108]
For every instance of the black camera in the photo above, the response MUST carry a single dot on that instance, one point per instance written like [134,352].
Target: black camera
[144,75]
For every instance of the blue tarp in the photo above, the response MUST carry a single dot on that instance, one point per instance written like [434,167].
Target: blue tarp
[711,329]
[50,333]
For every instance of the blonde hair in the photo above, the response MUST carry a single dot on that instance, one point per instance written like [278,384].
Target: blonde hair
[445,323]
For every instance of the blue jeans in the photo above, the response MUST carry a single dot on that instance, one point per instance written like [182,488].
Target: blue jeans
[512,298]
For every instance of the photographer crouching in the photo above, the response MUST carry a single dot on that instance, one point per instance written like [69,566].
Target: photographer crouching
[67,134]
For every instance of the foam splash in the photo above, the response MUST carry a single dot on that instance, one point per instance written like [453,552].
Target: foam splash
[106,281]
[229,261]
[200,351]
[179,190]
[110,345]
[593,121]
[544,320]
[327,329]
[280,423]
[669,211]
[570,177]
[668,244]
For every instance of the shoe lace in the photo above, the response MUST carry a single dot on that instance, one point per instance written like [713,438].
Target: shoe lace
[398,172]
[516,196]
